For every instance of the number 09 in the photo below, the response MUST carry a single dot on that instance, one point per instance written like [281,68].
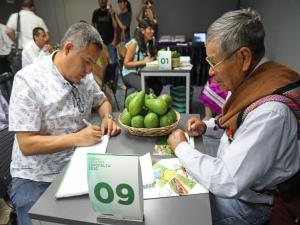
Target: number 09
[124,191]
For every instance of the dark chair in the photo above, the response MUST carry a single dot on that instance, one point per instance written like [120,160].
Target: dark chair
[6,144]
[6,80]
[127,86]
[110,79]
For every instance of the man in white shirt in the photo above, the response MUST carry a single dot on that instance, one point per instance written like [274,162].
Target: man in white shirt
[36,48]
[28,21]
[49,102]
[259,149]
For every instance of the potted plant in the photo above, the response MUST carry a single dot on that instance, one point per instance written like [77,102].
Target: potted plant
[175,59]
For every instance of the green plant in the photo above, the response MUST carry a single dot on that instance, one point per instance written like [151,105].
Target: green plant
[175,54]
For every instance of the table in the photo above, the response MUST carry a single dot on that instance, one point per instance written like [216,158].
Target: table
[155,72]
[197,52]
[191,209]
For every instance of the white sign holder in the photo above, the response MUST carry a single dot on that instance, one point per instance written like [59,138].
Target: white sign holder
[115,188]
[164,60]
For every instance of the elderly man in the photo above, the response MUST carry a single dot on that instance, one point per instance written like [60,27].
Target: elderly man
[49,101]
[36,48]
[259,149]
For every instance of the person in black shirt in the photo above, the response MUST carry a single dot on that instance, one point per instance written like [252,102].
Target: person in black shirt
[104,21]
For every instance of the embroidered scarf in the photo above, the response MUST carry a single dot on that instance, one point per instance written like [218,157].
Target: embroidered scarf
[268,79]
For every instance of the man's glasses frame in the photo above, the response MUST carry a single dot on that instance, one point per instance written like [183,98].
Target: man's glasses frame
[215,65]
[77,98]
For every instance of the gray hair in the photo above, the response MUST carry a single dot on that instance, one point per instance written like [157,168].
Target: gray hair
[236,29]
[81,34]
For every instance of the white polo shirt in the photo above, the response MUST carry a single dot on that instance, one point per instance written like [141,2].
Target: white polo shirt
[42,100]
[28,21]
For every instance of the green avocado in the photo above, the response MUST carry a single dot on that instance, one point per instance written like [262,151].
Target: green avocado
[137,121]
[129,98]
[151,120]
[125,117]
[167,98]
[136,104]
[157,105]
[166,120]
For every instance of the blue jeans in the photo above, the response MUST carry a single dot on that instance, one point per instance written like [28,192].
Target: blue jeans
[112,53]
[235,212]
[24,193]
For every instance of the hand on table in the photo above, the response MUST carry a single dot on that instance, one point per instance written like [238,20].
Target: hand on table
[196,126]
[109,127]
[175,138]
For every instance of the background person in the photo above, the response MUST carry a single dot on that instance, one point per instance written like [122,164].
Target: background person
[259,151]
[123,20]
[28,21]
[103,20]
[140,50]
[36,48]
[50,99]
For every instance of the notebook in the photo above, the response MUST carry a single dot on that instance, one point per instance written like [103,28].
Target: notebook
[74,182]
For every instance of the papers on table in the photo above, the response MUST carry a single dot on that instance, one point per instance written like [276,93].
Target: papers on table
[147,171]
[153,64]
[172,180]
[74,181]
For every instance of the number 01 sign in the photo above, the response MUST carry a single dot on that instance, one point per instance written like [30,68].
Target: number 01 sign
[115,186]
[164,60]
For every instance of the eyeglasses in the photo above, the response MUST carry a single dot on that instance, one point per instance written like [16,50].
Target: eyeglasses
[215,65]
[77,99]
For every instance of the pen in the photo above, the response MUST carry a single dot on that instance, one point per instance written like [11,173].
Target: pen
[86,122]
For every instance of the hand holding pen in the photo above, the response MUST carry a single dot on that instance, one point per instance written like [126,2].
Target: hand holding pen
[89,135]
[196,126]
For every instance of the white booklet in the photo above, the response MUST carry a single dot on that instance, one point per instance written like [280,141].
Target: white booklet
[74,181]
[172,179]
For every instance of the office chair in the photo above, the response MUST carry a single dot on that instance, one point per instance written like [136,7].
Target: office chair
[6,80]
[110,79]
[6,144]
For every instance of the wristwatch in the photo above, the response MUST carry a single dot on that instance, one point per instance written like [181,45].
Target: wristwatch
[109,116]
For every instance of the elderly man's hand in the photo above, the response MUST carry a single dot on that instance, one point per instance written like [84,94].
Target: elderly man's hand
[175,138]
[196,127]
[109,127]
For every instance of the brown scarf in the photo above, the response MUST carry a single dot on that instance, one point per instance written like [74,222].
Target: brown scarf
[267,78]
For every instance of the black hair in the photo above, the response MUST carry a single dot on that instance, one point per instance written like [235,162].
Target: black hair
[27,3]
[36,31]
[128,5]
[139,37]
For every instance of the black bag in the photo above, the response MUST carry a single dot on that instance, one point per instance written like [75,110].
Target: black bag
[15,59]
[15,55]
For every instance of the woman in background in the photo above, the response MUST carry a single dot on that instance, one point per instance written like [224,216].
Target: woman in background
[123,20]
[140,50]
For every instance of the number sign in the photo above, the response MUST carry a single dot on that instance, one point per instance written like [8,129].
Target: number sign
[164,60]
[115,186]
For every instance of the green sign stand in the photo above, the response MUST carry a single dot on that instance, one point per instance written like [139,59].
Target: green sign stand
[115,187]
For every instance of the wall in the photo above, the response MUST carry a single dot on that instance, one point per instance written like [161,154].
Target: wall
[280,19]
[187,17]
[60,14]
[6,9]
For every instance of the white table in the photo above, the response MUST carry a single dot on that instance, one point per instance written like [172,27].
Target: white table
[155,72]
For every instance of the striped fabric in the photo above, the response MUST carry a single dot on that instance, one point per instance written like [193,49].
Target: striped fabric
[289,95]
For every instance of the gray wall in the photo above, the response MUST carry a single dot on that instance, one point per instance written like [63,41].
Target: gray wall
[189,16]
[281,21]
[60,14]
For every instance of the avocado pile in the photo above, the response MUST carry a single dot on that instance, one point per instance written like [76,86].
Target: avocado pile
[148,111]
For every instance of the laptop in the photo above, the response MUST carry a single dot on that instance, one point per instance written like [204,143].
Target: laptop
[199,37]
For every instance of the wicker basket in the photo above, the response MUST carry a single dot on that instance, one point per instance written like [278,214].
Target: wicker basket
[161,131]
